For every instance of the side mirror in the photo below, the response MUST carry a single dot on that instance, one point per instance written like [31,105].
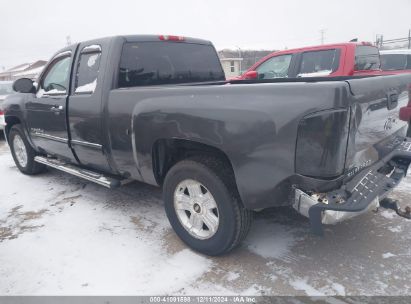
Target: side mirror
[250,75]
[24,85]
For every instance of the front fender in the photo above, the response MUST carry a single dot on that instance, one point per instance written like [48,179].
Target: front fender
[14,108]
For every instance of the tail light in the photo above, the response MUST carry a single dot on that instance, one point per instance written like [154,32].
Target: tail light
[171,38]
[1,112]
[405,112]
[322,144]
[409,95]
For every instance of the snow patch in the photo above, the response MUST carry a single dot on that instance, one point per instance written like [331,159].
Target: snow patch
[301,284]
[87,88]
[388,255]
[340,289]
[316,74]
[80,244]
[405,185]
[395,229]
[270,240]
[232,276]
[388,214]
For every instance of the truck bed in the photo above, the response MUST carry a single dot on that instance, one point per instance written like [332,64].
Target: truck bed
[256,125]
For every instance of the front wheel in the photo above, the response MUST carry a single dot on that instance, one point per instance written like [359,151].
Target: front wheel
[203,206]
[22,152]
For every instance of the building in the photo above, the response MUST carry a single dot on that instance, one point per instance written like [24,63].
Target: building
[231,66]
[236,62]
[26,70]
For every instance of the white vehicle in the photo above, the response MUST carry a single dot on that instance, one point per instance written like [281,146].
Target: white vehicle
[396,60]
[6,88]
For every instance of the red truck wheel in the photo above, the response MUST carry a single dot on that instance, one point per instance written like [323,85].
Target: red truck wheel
[203,206]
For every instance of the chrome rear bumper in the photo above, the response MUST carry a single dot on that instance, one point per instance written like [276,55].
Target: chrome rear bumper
[361,194]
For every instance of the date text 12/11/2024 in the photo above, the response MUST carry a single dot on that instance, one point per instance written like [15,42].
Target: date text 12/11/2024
[203,299]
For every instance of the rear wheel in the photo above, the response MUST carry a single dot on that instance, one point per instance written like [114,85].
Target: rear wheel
[22,152]
[203,206]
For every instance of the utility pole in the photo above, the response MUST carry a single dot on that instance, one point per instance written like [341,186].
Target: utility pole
[409,38]
[322,33]
[68,40]
[379,41]
[239,57]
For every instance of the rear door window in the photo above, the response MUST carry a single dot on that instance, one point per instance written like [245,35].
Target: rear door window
[319,63]
[274,67]
[367,58]
[390,62]
[156,63]
[87,70]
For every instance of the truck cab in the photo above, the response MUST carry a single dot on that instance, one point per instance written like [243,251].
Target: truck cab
[66,112]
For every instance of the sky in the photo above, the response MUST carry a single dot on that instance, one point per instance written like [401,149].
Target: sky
[32,30]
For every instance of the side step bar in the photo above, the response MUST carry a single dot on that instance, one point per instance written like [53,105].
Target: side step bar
[98,178]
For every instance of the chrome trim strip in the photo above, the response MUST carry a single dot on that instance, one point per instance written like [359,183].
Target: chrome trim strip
[86,144]
[47,136]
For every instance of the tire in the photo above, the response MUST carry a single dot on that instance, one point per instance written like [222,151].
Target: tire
[217,185]
[23,153]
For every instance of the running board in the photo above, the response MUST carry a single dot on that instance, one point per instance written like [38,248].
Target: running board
[95,177]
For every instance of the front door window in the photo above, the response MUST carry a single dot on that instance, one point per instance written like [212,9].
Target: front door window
[275,67]
[56,80]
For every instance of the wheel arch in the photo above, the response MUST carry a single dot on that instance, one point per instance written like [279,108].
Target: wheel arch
[10,122]
[167,152]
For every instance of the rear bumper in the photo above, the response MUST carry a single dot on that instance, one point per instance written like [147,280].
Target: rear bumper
[362,193]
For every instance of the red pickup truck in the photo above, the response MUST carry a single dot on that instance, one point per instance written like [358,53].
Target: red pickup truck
[342,59]
[331,60]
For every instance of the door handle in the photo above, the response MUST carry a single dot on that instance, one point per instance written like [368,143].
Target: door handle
[392,101]
[56,109]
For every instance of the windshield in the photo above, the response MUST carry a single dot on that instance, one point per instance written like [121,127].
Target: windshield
[390,62]
[6,88]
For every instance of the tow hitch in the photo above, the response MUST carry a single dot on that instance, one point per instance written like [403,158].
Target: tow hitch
[389,203]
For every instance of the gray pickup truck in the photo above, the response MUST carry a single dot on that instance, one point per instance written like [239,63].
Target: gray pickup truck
[157,109]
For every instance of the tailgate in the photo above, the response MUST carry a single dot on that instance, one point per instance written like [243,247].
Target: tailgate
[375,127]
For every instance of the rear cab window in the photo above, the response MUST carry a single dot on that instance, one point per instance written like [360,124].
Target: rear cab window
[319,63]
[391,62]
[160,63]
[367,57]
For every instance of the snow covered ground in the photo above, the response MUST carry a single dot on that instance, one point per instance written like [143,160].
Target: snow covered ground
[60,235]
